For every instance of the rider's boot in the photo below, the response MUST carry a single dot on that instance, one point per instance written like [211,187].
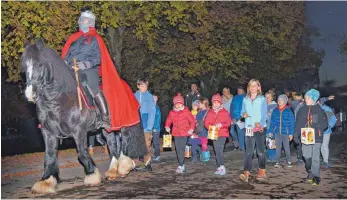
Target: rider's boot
[101,103]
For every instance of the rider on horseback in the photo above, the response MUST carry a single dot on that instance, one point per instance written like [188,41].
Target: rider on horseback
[87,53]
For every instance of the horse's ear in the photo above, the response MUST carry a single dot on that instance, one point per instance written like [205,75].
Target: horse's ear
[40,44]
[27,43]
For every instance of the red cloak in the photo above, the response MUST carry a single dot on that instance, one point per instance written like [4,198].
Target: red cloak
[121,101]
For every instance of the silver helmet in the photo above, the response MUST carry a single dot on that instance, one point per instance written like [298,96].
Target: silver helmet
[86,20]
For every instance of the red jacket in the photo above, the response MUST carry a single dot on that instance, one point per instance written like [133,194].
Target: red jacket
[182,121]
[222,117]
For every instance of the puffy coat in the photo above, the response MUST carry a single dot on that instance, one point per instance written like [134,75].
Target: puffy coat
[223,117]
[182,122]
[282,121]
[236,107]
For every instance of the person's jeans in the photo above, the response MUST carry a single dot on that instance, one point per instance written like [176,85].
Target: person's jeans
[312,152]
[271,154]
[233,133]
[194,142]
[325,147]
[156,143]
[258,141]
[299,150]
[282,140]
[180,145]
[238,136]
[241,135]
[98,138]
[218,146]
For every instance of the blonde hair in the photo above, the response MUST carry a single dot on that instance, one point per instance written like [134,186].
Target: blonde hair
[249,85]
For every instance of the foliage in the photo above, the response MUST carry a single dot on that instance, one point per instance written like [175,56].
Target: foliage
[174,43]
[26,20]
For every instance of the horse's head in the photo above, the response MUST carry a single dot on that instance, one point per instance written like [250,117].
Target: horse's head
[35,71]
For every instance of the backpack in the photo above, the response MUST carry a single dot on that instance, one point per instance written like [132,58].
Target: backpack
[200,125]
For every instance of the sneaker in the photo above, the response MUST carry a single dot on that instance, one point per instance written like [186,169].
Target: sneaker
[217,172]
[316,181]
[289,165]
[156,159]
[309,177]
[220,171]
[277,165]
[180,169]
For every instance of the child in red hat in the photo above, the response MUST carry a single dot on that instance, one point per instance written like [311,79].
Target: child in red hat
[220,118]
[183,126]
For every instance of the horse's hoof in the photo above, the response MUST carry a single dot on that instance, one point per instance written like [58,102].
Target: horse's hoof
[111,174]
[45,186]
[93,179]
[125,165]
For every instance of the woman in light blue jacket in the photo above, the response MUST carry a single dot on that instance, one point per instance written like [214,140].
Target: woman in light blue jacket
[254,110]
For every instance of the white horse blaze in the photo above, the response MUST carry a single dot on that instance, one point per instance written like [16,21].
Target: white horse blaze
[30,68]
[29,93]
[29,89]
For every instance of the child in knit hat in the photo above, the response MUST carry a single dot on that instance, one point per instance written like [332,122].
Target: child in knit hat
[282,128]
[220,118]
[183,126]
[311,115]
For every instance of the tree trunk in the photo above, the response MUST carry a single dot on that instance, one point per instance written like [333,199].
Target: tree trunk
[116,38]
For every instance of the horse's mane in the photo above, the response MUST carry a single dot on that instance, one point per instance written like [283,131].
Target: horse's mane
[61,72]
[39,54]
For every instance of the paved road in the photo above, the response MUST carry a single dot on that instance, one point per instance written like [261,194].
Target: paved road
[199,180]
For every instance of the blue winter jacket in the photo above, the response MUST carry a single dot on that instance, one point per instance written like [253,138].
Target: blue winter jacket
[157,120]
[331,116]
[282,122]
[236,107]
[147,109]
[256,110]
[200,116]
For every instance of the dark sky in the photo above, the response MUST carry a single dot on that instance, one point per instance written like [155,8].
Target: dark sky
[331,20]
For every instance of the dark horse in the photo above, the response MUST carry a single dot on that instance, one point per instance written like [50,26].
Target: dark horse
[51,85]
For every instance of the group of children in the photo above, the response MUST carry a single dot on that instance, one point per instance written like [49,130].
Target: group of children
[261,117]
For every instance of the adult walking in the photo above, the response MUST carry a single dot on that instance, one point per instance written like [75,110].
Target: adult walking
[192,96]
[237,132]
